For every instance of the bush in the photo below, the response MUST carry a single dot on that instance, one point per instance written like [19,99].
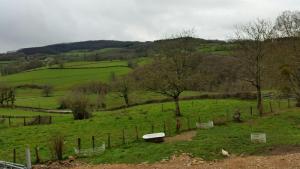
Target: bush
[79,104]
[63,103]
[57,146]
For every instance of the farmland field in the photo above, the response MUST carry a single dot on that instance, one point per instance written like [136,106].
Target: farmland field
[61,79]
[234,137]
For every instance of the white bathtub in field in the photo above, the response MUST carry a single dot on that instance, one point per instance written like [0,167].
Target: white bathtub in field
[154,137]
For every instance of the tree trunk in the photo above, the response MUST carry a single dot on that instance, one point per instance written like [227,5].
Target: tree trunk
[298,101]
[260,106]
[126,99]
[177,111]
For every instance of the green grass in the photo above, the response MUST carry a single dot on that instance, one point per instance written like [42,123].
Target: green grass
[94,64]
[216,49]
[281,129]
[62,79]
[15,122]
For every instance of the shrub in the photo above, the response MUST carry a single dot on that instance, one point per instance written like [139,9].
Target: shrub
[57,146]
[79,104]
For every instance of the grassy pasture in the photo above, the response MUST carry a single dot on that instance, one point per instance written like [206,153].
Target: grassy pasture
[281,129]
[216,49]
[62,79]
[93,64]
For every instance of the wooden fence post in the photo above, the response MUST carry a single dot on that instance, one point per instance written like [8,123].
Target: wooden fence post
[50,119]
[123,136]
[152,128]
[93,142]
[178,125]
[289,103]
[37,155]
[24,121]
[9,122]
[39,119]
[79,144]
[14,155]
[188,123]
[136,133]
[251,110]
[108,140]
[165,128]
[271,108]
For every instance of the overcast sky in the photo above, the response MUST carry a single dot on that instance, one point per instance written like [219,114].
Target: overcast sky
[26,23]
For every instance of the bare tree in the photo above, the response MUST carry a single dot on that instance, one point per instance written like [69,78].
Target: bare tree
[288,29]
[288,24]
[171,71]
[123,87]
[252,51]
[47,90]
[7,95]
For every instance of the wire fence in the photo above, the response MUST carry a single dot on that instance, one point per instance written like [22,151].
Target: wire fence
[100,141]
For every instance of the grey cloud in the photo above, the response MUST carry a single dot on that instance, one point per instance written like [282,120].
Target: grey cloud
[25,23]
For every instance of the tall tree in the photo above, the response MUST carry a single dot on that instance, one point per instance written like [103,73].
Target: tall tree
[253,41]
[288,29]
[171,70]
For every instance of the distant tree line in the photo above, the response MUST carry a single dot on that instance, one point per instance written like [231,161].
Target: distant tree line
[21,65]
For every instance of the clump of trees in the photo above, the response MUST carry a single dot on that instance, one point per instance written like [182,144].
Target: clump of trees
[21,65]
[94,87]
[270,51]
[7,95]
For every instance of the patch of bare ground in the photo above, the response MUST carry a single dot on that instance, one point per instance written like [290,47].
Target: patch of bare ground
[184,136]
[281,150]
[185,161]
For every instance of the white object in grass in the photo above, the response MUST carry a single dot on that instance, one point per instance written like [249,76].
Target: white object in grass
[209,124]
[258,137]
[153,136]
[225,153]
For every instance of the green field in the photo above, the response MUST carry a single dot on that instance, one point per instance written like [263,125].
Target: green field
[62,79]
[281,129]
[102,64]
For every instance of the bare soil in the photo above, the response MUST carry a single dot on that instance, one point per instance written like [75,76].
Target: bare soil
[185,136]
[185,161]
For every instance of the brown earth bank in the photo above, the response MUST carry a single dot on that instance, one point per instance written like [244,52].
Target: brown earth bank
[185,161]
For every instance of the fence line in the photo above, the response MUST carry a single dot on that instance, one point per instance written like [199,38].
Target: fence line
[169,127]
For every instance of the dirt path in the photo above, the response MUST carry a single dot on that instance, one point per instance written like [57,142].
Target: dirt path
[287,161]
[291,161]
